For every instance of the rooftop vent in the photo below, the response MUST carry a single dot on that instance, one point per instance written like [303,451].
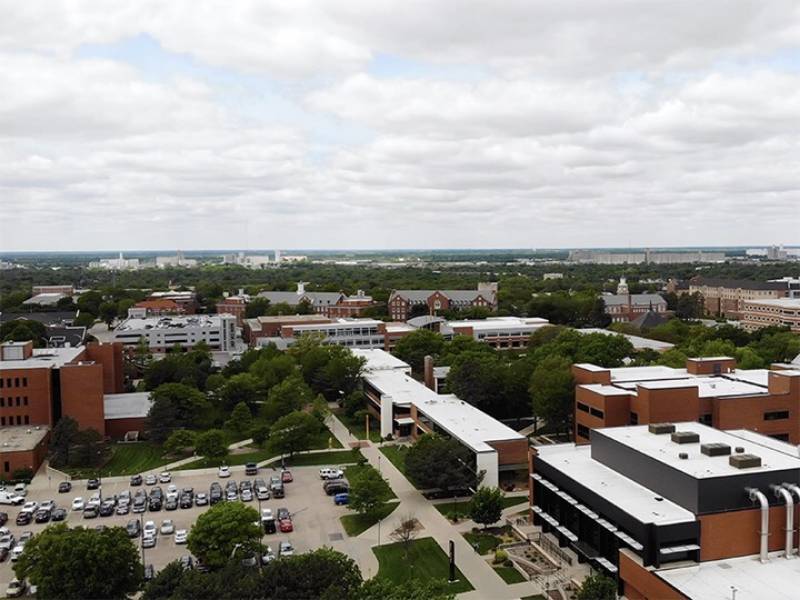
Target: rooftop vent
[659,428]
[715,449]
[739,449]
[744,461]
[685,437]
[683,455]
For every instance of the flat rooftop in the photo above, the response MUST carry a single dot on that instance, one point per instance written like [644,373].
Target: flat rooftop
[637,341]
[338,323]
[790,303]
[698,465]
[648,373]
[44,358]
[172,322]
[778,579]
[21,438]
[402,388]
[378,359]
[707,387]
[501,323]
[576,462]
[126,406]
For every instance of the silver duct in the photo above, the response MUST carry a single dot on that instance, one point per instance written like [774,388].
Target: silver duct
[794,489]
[754,494]
[781,492]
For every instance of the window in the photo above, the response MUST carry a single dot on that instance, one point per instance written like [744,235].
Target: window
[583,431]
[583,407]
[2,421]
[784,437]
[705,419]
[776,415]
[596,413]
[19,420]
[2,402]
[16,381]
[27,420]
[25,400]
[634,419]
[24,382]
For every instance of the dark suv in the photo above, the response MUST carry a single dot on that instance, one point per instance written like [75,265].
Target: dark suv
[251,469]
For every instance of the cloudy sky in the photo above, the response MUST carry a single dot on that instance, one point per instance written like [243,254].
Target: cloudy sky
[375,124]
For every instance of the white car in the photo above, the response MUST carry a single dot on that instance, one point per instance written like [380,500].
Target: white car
[181,536]
[30,506]
[165,477]
[15,589]
[78,504]
[149,528]
[172,489]
[330,473]
[7,542]
[224,472]
[286,549]
[266,514]
[48,505]
[16,552]
[20,489]
[167,527]
[268,555]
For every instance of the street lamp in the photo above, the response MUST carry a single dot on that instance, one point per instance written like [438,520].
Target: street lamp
[379,520]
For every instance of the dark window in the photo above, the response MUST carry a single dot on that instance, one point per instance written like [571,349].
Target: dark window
[784,437]
[583,407]
[27,420]
[596,413]
[2,421]
[19,401]
[634,419]
[705,419]
[1,382]
[25,400]
[776,415]
[16,381]
[6,466]
[2,402]
[583,431]
[24,382]
[19,420]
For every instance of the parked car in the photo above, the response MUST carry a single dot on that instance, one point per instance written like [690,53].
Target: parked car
[155,504]
[149,541]
[135,481]
[330,473]
[251,468]
[149,572]
[25,537]
[341,499]
[167,527]
[267,520]
[149,528]
[92,484]
[339,486]
[42,515]
[283,513]
[186,501]
[165,477]
[24,518]
[106,508]
[246,496]
[268,555]
[286,476]
[3,518]
[64,487]
[277,491]
[16,588]
[250,560]
[3,554]
[123,508]
[181,536]
[48,505]
[59,514]
[150,480]
[78,504]
[224,472]
[262,492]
[186,562]
[90,512]
[133,528]
[30,507]
[201,499]
[285,549]
[139,505]
[7,541]
[286,525]
[274,479]
[16,552]
[171,504]
[21,489]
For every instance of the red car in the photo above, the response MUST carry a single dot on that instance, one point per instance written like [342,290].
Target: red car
[286,525]
[286,477]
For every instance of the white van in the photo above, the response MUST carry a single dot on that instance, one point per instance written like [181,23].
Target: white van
[10,498]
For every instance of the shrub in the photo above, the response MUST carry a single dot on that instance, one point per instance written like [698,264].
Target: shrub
[500,556]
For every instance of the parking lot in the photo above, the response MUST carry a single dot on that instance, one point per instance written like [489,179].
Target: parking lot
[314,515]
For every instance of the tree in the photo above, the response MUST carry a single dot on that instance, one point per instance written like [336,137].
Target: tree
[552,390]
[123,306]
[598,587]
[407,529]
[478,378]
[175,406]
[211,444]
[239,421]
[165,583]
[418,344]
[288,396]
[241,388]
[438,462]
[90,302]
[220,529]
[323,573]
[22,330]
[179,441]
[62,439]
[411,589]
[486,506]
[367,492]
[189,368]
[88,450]
[84,319]
[293,433]
[234,581]
[257,307]
[81,563]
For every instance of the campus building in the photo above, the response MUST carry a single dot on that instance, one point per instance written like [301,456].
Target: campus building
[624,307]
[709,390]
[501,333]
[673,510]
[402,303]
[727,297]
[163,333]
[407,408]
[186,300]
[234,305]
[353,333]
[599,257]
[783,312]
[329,304]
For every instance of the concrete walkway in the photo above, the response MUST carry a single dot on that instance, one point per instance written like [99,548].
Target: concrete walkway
[487,583]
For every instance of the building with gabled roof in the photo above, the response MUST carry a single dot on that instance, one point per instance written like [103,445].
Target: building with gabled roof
[401,302]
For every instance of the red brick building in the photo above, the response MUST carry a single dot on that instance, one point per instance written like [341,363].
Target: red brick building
[159,307]
[402,302]
[233,305]
[727,297]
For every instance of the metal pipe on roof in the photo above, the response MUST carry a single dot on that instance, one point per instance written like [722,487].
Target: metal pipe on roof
[755,494]
[787,496]
[794,489]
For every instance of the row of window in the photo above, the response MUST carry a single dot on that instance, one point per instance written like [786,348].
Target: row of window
[21,420]
[13,382]
[595,412]
[20,401]
[776,415]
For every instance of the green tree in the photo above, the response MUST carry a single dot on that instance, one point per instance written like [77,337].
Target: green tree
[22,330]
[189,368]
[418,344]
[552,391]
[438,462]
[323,573]
[211,444]
[175,406]
[81,563]
[123,306]
[165,583]
[240,420]
[180,440]
[486,506]
[63,437]
[85,319]
[288,396]
[367,492]
[257,307]
[88,450]
[241,388]
[462,344]
[90,302]
[220,529]
[293,433]
[233,581]
[598,587]
[478,378]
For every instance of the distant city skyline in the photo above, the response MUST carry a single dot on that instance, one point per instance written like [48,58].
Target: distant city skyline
[370,125]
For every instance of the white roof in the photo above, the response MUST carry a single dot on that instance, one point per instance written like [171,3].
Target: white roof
[501,323]
[778,579]
[172,322]
[778,302]
[708,387]
[126,406]
[638,342]
[646,373]
[606,390]
[44,358]
[576,462]
[337,324]
[400,386]
[698,465]
[397,327]
[46,298]
[378,359]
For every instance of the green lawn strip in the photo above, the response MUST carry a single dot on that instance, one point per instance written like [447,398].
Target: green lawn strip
[397,456]
[486,541]
[356,426]
[461,508]
[231,460]
[426,561]
[356,524]
[354,472]
[510,575]
[126,459]
[332,458]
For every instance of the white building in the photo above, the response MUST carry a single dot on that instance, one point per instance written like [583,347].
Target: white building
[179,260]
[249,261]
[497,332]
[116,264]
[162,333]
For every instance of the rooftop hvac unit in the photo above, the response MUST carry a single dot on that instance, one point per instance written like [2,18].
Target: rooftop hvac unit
[744,461]
[683,455]
[715,449]
[739,449]
[659,428]
[685,437]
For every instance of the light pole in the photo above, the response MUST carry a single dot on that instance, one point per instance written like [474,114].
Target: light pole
[141,538]
[379,520]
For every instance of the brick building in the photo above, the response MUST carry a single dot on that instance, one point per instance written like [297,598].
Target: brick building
[159,307]
[783,312]
[708,390]
[673,510]
[624,307]
[402,302]
[329,304]
[186,300]
[727,297]
[234,305]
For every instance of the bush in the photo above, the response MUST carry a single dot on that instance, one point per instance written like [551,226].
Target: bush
[500,556]
[25,474]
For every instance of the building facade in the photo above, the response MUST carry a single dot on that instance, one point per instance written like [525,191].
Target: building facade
[329,304]
[401,303]
[727,297]
[353,333]
[783,312]
[161,334]
[234,305]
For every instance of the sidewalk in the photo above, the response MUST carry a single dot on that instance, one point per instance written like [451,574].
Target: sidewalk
[485,580]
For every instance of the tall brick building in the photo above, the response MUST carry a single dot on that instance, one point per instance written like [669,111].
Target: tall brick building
[727,297]
[401,302]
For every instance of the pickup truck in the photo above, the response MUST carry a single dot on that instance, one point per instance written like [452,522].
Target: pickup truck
[10,498]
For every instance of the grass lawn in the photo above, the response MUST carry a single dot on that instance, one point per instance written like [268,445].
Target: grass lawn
[127,459]
[356,524]
[356,426]
[461,508]
[354,472]
[486,541]
[426,561]
[333,458]
[510,575]
[397,456]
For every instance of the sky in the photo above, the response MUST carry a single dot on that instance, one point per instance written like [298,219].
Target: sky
[358,124]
